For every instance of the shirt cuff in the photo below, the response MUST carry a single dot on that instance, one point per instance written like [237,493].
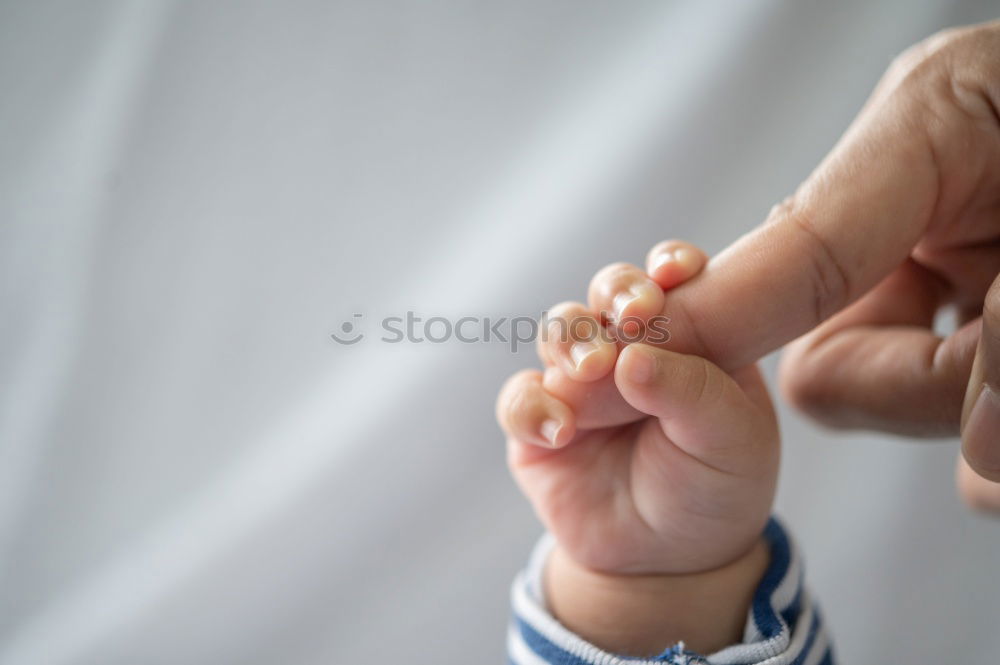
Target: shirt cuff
[783,626]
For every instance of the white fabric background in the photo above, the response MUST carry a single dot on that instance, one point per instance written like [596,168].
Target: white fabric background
[194,195]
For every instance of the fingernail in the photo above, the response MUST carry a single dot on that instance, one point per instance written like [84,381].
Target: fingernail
[621,302]
[641,366]
[982,430]
[580,351]
[684,256]
[664,257]
[550,430]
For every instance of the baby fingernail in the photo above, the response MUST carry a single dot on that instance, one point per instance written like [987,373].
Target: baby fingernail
[664,257]
[641,365]
[580,351]
[550,430]
[687,257]
[681,256]
[621,302]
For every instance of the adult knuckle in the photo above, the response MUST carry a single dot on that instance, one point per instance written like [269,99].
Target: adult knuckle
[829,279]
[927,62]
[939,45]
[938,54]
[911,60]
[964,40]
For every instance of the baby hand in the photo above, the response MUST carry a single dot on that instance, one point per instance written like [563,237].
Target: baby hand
[639,460]
[674,469]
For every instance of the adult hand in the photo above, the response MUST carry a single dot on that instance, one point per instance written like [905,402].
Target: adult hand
[900,219]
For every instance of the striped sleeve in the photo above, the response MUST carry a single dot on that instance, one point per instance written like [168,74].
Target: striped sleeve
[784,626]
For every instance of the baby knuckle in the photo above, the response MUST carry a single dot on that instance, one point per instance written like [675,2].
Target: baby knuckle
[703,386]
[564,309]
[514,392]
[612,274]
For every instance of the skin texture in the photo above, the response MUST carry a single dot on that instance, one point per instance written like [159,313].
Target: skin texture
[632,614]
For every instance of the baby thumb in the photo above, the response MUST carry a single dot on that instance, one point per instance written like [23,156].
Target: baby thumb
[702,410]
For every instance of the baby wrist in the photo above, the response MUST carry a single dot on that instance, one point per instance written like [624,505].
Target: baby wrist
[641,615]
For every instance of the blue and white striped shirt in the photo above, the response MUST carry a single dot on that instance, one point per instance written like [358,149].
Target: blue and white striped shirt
[783,626]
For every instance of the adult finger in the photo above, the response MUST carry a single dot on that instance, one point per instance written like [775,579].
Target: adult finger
[880,365]
[913,157]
